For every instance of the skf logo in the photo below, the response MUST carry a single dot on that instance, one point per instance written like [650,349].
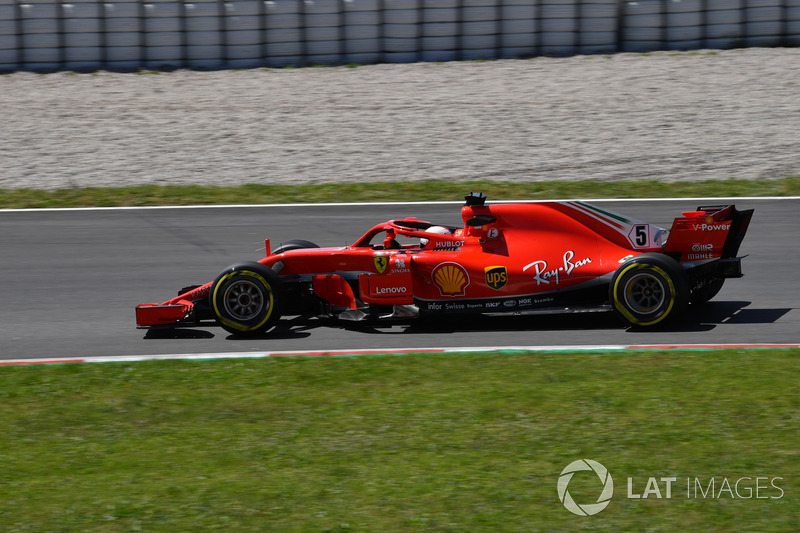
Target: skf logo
[380,263]
[450,278]
[496,277]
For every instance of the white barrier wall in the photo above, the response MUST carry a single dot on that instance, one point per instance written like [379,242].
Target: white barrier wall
[208,34]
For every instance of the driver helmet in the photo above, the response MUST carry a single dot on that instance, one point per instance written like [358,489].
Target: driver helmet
[439,230]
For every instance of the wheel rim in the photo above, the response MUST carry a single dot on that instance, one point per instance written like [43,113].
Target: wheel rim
[244,300]
[644,294]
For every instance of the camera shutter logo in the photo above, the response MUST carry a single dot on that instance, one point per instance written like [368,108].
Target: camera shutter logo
[588,509]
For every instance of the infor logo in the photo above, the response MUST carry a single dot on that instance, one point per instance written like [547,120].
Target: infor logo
[587,509]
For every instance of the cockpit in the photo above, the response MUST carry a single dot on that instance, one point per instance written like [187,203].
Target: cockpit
[406,234]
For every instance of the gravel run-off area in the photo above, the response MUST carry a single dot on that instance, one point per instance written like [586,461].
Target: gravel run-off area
[667,116]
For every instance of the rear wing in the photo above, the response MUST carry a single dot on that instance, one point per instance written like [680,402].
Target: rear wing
[709,232]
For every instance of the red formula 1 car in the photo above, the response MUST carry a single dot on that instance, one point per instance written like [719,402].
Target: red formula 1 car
[507,258]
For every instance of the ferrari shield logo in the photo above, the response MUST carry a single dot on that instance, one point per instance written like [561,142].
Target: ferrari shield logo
[380,263]
[496,277]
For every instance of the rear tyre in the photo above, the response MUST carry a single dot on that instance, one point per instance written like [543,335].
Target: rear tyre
[297,244]
[648,290]
[246,299]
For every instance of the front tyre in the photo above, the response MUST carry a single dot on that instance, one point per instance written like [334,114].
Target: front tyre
[648,290]
[246,299]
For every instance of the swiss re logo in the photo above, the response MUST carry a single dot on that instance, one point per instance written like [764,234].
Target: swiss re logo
[496,277]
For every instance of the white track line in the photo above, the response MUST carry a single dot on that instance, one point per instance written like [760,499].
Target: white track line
[383,204]
[398,352]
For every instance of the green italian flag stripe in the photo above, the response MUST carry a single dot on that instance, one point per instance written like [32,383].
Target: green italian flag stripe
[606,213]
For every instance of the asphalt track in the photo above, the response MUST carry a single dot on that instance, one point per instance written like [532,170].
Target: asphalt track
[71,279]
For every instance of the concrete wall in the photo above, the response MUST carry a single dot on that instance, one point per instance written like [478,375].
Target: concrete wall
[159,34]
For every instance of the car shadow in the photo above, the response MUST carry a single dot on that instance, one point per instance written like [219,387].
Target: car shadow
[701,318]
[476,323]
[735,312]
[287,329]
[549,322]
[284,330]
[177,333]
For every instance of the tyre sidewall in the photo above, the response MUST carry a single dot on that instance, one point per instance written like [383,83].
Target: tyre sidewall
[655,268]
[255,276]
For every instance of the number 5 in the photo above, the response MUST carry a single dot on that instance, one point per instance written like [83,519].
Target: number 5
[641,235]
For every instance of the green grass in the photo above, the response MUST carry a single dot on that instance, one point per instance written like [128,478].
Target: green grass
[470,442]
[150,195]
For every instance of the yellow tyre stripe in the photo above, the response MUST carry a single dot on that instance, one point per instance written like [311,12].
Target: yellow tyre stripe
[237,325]
[621,308]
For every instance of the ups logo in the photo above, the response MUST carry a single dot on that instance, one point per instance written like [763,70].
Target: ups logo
[496,277]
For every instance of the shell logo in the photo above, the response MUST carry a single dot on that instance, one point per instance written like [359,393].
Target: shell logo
[450,278]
